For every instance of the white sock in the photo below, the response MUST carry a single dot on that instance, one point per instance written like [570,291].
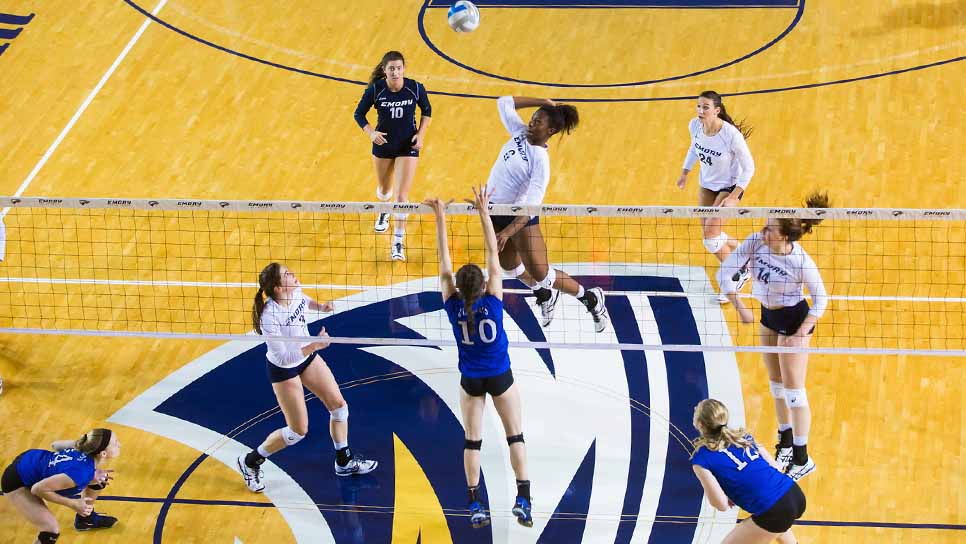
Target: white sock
[398,236]
[784,427]
[580,291]
[262,451]
[340,445]
[800,440]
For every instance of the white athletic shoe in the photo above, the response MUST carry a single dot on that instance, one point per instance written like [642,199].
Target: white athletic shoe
[599,311]
[382,222]
[744,276]
[397,252]
[797,472]
[356,466]
[783,456]
[253,476]
[548,306]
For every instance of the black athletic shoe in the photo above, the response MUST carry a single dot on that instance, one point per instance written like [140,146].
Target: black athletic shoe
[94,521]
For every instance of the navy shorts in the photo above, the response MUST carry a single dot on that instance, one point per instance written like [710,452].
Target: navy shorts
[10,481]
[729,190]
[494,385]
[278,374]
[395,148]
[782,515]
[500,222]
[787,320]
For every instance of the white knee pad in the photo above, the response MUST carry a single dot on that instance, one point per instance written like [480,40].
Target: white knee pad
[777,389]
[384,197]
[796,398]
[514,273]
[714,245]
[340,414]
[547,282]
[400,216]
[291,437]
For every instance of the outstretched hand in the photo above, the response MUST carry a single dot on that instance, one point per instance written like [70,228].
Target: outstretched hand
[481,198]
[438,206]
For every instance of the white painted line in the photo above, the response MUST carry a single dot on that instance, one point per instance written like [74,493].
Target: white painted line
[83,106]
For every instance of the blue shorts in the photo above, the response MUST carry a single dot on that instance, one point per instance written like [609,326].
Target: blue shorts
[500,222]
[278,374]
[395,148]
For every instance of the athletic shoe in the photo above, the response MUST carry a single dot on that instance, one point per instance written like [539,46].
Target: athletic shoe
[797,472]
[93,521]
[382,222]
[253,476]
[522,511]
[599,311]
[478,518]
[396,252]
[744,276]
[358,465]
[783,456]
[548,306]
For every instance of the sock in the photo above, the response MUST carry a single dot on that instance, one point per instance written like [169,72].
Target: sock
[588,299]
[523,489]
[398,238]
[785,436]
[473,493]
[253,459]
[542,293]
[340,445]
[580,291]
[799,455]
[399,233]
[343,456]
[263,451]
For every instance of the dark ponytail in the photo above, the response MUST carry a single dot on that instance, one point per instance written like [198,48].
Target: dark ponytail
[562,117]
[379,72]
[268,280]
[715,98]
[469,281]
[793,227]
[93,442]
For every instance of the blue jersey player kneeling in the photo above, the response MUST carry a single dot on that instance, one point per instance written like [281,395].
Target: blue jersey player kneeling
[474,306]
[734,470]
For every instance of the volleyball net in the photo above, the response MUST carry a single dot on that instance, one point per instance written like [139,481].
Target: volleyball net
[189,268]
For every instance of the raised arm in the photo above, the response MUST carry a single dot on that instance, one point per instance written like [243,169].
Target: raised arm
[447,283]
[494,282]
[529,102]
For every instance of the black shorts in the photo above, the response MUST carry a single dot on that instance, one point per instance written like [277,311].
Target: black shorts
[729,190]
[395,148]
[10,481]
[494,385]
[500,222]
[787,320]
[782,515]
[278,374]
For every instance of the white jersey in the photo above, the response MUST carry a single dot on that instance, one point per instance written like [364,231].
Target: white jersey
[725,158]
[521,172]
[777,279]
[278,320]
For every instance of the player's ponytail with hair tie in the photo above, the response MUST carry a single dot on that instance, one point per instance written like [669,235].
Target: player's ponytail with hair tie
[715,98]
[268,280]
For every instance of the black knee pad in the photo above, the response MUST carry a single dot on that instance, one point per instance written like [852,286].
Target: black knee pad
[48,538]
[472,444]
[514,439]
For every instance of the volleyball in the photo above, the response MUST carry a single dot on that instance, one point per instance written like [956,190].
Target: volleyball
[463,16]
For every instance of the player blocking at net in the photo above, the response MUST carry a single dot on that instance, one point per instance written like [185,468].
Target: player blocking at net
[474,306]
[780,268]
[290,366]
[520,176]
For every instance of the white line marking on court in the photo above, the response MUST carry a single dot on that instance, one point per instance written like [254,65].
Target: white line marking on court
[83,107]
[337,287]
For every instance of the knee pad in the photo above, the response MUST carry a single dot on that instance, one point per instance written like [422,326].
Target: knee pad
[514,273]
[47,538]
[384,197]
[714,245]
[400,216]
[777,389]
[291,437]
[511,440]
[547,283]
[796,398]
[340,414]
[472,444]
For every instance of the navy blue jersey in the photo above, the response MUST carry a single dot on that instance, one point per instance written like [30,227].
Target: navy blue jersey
[37,465]
[397,111]
[482,348]
[747,479]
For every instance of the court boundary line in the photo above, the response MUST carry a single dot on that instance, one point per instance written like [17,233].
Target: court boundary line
[83,107]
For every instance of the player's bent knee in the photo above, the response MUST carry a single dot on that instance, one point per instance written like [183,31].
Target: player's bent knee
[341,413]
[291,437]
[514,272]
[46,537]
[472,444]
[777,389]
[511,440]
[714,244]
[547,282]
[796,398]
